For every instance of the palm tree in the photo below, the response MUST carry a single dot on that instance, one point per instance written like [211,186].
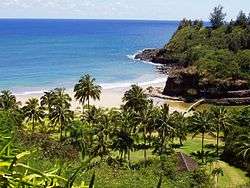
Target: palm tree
[86,89]
[8,100]
[33,112]
[216,173]
[127,125]
[242,146]
[61,114]
[222,121]
[146,122]
[47,101]
[135,99]
[180,126]
[164,128]
[202,124]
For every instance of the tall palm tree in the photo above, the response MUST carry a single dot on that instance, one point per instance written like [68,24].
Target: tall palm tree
[146,122]
[222,121]
[135,98]
[164,128]
[127,125]
[180,126]
[47,101]
[202,124]
[33,112]
[61,114]
[86,88]
[8,100]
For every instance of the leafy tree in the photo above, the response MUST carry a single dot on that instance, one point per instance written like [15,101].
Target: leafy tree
[135,98]
[241,19]
[201,122]
[86,89]
[217,17]
[8,100]
[33,112]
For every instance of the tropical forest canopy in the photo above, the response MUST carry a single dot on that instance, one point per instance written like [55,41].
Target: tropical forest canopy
[219,52]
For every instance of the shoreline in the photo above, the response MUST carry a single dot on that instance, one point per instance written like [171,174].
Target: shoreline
[110,97]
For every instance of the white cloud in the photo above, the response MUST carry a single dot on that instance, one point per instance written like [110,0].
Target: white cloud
[128,9]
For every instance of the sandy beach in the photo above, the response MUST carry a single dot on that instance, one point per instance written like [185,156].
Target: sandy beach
[109,97]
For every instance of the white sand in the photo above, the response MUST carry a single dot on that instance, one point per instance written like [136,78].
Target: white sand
[109,97]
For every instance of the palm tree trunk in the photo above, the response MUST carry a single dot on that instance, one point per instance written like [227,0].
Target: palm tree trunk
[88,102]
[145,150]
[33,124]
[217,141]
[129,157]
[202,147]
[61,130]
[180,141]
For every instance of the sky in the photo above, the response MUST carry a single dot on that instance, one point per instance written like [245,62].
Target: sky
[119,9]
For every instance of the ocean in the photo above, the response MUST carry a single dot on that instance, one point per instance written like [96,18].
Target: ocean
[38,55]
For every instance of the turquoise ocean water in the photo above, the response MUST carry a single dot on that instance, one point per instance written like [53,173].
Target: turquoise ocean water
[37,55]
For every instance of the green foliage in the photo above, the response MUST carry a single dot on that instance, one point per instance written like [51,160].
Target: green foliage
[217,17]
[218,54]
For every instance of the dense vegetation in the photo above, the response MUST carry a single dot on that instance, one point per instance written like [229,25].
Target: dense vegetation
[216,56]
[45,144]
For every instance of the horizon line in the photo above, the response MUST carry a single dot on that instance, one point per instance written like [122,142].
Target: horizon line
[104,19]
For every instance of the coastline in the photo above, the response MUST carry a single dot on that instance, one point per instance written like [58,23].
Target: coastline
[110,97]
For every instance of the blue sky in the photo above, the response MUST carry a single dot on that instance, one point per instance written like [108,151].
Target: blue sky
[119,9]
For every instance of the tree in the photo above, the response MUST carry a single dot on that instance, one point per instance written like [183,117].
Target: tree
[145,118]
[222,121]
[61,114]
[180,126]
[47,101]
[33,112]
[242,146]
[241,19]
[201,122]
[8,101]
[135,99]
[165,130]
[217,17]
[86,89]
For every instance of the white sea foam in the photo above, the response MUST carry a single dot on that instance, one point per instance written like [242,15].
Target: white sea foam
[132,57]
[128,84]
[36,92]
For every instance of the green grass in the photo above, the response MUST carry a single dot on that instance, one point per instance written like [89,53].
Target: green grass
[233,177]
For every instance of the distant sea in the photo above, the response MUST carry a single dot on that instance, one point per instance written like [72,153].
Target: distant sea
[37,55]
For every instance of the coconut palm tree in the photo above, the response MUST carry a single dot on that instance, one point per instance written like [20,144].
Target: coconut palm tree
[146,123]
[180,126]
[61,114]
[8,100]
[135,99]
[86,88]
[222,121]
[201,122]
[165,130]
[47,101]
[33,112]
[127,124]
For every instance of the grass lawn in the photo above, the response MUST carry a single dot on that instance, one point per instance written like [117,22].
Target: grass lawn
[233,177]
